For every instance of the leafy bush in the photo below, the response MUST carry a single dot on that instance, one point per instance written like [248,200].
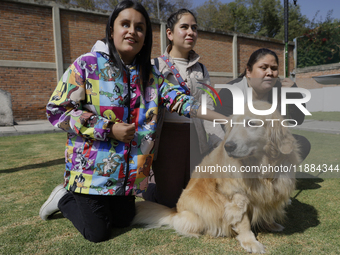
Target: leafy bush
[320,45]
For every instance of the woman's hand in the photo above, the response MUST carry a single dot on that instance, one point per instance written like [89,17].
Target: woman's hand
[123,132]
[287,83]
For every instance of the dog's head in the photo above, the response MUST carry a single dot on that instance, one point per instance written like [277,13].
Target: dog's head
[251,135]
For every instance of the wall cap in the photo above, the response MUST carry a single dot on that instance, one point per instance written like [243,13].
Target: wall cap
[27,64]
[318,68]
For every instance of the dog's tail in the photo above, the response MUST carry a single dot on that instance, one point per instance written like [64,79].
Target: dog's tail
[153,215]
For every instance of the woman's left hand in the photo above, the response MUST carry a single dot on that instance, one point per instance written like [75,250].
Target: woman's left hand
[287,83]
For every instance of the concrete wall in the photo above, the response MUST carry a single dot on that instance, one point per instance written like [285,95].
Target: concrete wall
[40,39]
[323,97]
[324,100]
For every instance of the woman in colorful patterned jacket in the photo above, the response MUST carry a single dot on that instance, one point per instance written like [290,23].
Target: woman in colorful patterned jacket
[108,105]
[180,142]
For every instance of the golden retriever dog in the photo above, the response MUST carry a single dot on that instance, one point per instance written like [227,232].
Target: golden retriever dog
[230,203]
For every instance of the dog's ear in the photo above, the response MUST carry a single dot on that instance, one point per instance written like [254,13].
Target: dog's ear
[280,140]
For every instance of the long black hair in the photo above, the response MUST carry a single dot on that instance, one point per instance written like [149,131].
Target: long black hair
[256,56]
[143,57]
[175,17]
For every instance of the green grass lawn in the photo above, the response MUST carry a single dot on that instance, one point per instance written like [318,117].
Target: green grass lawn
[324,116]
[32,165]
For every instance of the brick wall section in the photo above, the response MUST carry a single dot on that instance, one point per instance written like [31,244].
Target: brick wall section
[79,32]
[247,46]
[30,90]
[156,41]
[26,33]
[215,51]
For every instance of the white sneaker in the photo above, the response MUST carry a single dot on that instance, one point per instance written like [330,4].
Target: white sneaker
[51,204]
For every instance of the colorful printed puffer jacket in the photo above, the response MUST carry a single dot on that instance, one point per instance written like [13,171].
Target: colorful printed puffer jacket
[91,94]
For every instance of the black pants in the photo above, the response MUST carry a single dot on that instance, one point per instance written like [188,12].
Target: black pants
[178,153]
[94,216]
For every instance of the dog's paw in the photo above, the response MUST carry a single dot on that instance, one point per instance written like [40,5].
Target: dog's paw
[253,247]
[249,242]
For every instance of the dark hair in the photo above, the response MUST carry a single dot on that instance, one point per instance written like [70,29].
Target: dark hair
[143,57]
[175,17]
[256,56]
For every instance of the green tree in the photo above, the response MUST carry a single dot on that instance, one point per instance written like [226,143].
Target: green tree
[108,5]
[265,15]
[166,7]
[297,23]
[207,14]
[260,17]
[239,16]
[320,45]
[232,16]
[87,4]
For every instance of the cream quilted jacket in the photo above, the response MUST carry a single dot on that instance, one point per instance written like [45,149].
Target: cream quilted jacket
[195,76]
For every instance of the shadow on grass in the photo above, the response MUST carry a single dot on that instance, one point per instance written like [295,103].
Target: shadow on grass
[307,181]
[32,166]
[301,216]
[306,184]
